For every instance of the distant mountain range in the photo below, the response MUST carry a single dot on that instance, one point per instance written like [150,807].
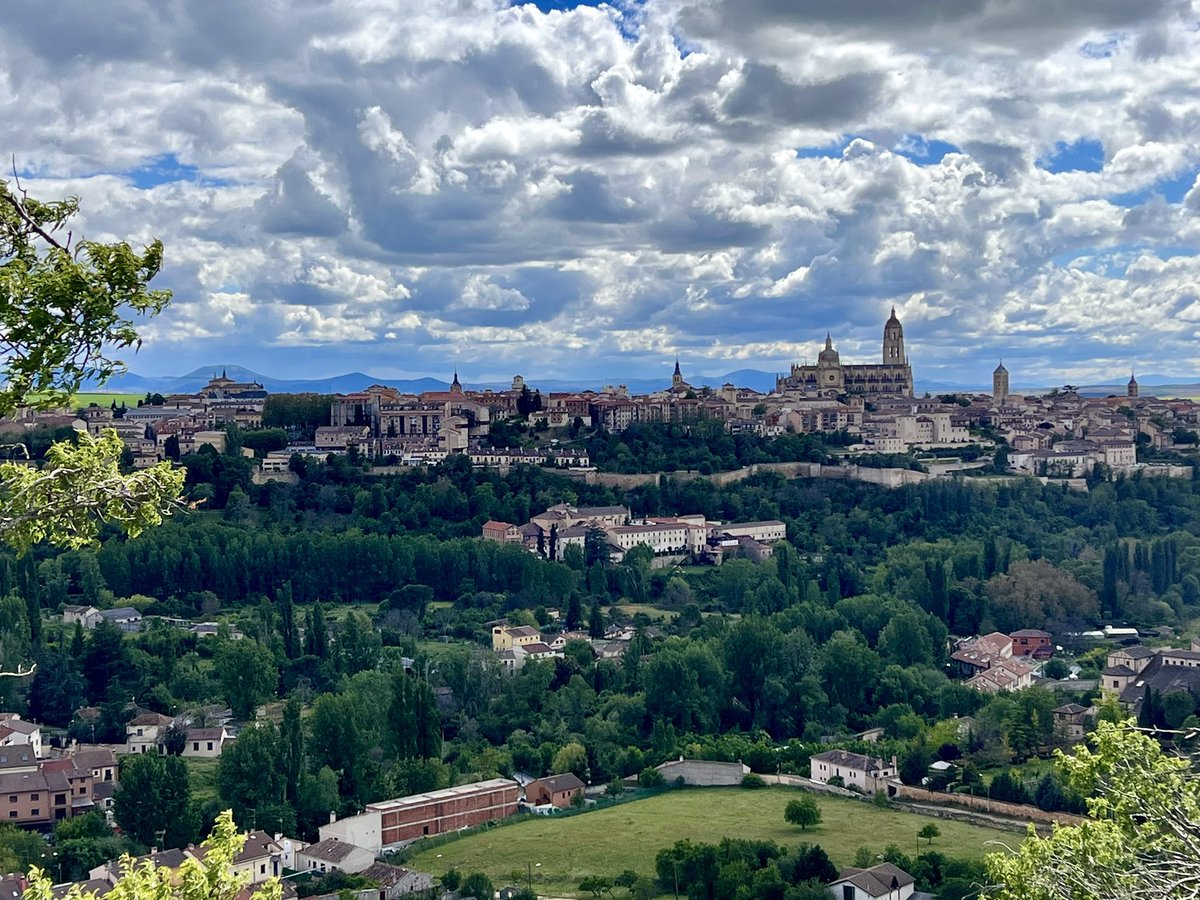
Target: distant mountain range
[132,383]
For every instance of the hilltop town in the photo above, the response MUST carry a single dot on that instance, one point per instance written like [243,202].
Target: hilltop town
[869,407]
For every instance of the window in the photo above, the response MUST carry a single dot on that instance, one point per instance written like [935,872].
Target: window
[195,745]
[35,812]
[60,799]
[847,892]
[12,813]
[33,796]
[210,745]
[12,798]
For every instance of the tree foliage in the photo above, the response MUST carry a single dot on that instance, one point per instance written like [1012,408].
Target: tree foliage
[212,878]
[63,308]
[80,489]
[802,811]
[1141,838]
[153,803]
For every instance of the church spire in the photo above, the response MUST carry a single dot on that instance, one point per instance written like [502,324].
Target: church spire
[677,372]
[828,340]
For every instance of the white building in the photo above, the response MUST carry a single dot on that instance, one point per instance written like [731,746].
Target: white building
[205,743]
[768,531]
[16,732]
[881,882]
[865,773]
[662,539]
[143,733]
[331,855]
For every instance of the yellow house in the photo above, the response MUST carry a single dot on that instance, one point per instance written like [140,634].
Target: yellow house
[505,637]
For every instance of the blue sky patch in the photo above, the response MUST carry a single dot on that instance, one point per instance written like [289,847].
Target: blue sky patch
[167,169]
[828,151]
[922,151]
[1173,189]
[1101,49]
[1084,155]
[562,5]
[1112,262]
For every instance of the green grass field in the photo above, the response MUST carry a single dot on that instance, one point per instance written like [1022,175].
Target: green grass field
[105,399]
[629,835]
[202,778]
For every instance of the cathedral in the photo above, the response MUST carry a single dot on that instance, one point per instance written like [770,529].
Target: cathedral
[829,378]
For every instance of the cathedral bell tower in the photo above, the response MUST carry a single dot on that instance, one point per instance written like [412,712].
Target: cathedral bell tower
[893,342]
[1000,385]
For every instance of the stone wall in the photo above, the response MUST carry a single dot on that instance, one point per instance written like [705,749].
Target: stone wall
[703,772]
[982,804]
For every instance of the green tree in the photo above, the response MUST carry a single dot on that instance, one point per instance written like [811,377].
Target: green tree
[413,722]
[477,885]
[246,670]
[249,775]
[210,878]
[64,306]
[316,637]
[929,832]
[571,757]
[291,750]
[153,803]
[802,811]
[1138,840]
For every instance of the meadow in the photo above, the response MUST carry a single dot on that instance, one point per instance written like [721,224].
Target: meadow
[560,852]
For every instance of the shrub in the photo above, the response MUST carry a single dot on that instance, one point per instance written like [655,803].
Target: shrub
[650,777]
[753,782]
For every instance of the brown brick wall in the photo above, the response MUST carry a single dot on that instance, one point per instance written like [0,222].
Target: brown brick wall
[441,816]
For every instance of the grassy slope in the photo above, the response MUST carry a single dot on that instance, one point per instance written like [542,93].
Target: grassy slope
[202,778]
[629,835]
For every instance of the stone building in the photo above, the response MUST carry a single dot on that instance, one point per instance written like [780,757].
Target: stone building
[1000,385]
[831,378]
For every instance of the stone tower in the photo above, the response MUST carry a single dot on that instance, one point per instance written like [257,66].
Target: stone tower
[455,386]
[1132,390]
[1000,385]
[677,378]
[893,342]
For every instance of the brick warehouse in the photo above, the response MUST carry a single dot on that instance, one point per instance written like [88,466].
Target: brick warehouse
[418,815]
[450,809]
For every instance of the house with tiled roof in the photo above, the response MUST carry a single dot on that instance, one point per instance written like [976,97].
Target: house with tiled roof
[1002,675]
[144,732]
[554,790]
[395,881]
[855,770]
[333,855]
[974,656]
[205,743]
[16,732]
[1070,721]
[1166,671]
[882,882]
[1032,642]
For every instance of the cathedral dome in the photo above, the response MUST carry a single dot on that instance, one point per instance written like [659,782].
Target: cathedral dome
[828,356]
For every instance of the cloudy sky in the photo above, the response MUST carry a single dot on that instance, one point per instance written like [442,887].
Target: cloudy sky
[555,189]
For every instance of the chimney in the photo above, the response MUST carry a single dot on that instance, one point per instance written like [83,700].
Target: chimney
[332,816]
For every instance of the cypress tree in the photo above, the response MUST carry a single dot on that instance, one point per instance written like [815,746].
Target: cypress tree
[291,750]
